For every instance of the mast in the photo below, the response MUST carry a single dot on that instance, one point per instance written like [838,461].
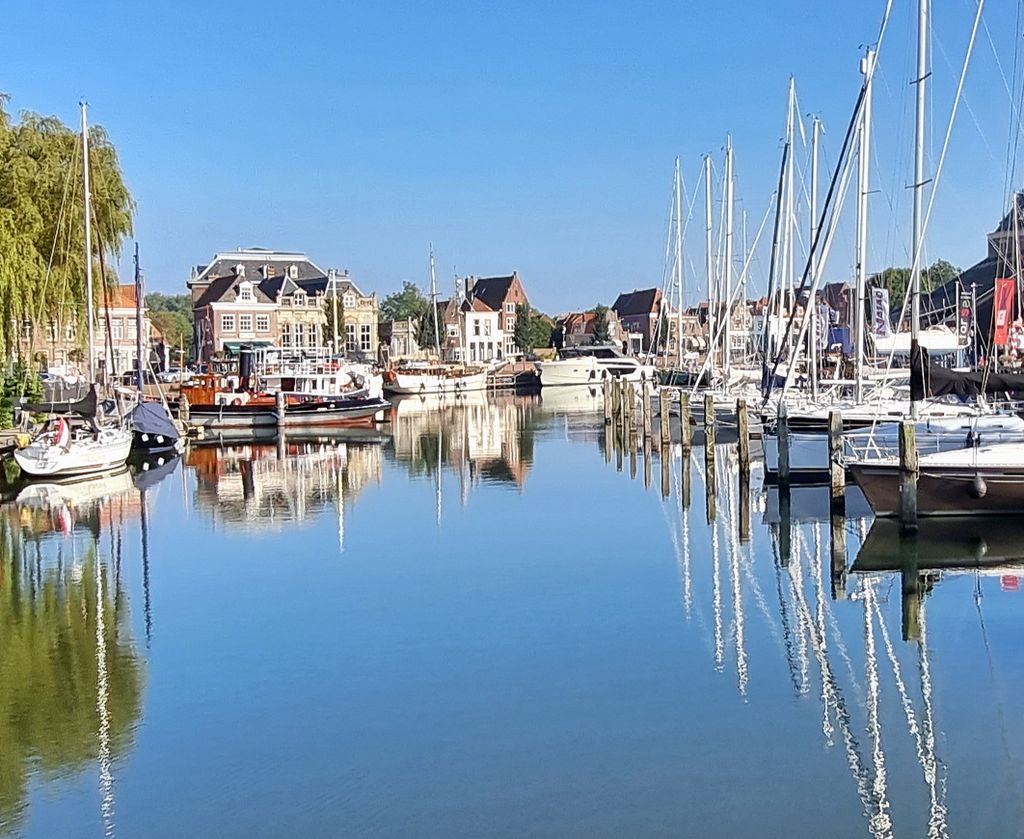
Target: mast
[710,259]
[812,302]
[139,364]
[433,302]
[679,265]
[790,239]
[88,241]
[728,257]
[919,181]
[863,187]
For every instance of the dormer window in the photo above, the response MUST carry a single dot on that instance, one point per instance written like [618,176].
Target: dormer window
[245,293]
[349,301]
[293,272]
[300,298]
[240,270]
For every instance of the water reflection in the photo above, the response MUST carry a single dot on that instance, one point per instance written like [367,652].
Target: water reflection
[71,679]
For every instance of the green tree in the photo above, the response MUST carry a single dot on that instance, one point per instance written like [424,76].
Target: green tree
[897,279]
[328,333]
[425,334]
[42,261]
[404,304]
[542,328]
[172,315]
[602,331]
[523,334]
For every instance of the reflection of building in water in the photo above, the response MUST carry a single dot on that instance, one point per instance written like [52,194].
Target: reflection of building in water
[70,676]
[268,486]
[479,438]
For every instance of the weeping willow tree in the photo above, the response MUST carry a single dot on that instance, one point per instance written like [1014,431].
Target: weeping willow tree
[42,230]
[51,639]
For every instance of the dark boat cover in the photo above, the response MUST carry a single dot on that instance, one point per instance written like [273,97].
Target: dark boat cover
[85,407]
[926,380]
[152,418]
[149,478]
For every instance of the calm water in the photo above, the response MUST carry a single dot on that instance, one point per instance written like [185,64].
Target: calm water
[477,624]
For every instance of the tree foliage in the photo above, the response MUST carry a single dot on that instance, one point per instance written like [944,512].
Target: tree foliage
[897,279]
[523,333]
[172,315]
[328,332]
[602,330]
[404,304]
[42,261]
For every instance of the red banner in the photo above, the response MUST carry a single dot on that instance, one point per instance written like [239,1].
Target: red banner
[1002,310]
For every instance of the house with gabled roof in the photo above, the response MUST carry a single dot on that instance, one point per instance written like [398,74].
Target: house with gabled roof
[638,312]
[489,316]
[275,298]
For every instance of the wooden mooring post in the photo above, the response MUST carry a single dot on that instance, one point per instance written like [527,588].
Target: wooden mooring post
[608,391]
[664,409]
[838,554]
[782,431]
[912,595]
[908,476]
[836,467]
[645,391]
[744,507]
[709,442]
[184,410]
[743,440]
[648,466]
[666,471]
[684,479]
[685,430]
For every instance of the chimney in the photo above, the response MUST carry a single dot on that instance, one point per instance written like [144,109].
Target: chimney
[469,287]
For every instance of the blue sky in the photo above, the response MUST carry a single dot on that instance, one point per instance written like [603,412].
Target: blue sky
[537,135]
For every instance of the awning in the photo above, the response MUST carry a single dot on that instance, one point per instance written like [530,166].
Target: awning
[233,347]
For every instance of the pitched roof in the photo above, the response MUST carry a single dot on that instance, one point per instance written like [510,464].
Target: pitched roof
[492,291]
[642,302]
[253,261]
[122,296]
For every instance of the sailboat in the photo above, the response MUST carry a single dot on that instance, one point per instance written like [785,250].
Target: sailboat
[423,377]
[78,444]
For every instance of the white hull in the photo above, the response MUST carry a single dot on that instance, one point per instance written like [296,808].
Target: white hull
[85,455]
[416,383]
[589,370]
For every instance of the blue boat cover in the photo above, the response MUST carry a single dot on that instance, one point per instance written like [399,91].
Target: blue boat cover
[152,418]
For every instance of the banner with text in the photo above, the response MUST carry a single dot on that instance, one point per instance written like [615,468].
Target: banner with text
[1002,310]
[965,319]
[880,325]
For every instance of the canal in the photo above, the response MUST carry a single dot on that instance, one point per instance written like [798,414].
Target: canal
[487,620]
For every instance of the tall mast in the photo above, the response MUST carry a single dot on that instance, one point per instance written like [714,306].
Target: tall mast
[815,141]
[139,363]
[919,182]
[710,260]
[88,240]
[863,187]
[433,302]
[790,239]
[728,257]
[679,265]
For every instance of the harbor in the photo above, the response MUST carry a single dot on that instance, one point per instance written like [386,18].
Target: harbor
[678,631]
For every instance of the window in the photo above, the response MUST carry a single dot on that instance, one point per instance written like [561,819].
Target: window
[245,293]
[116,329]
[365,337]
[350,337]
[286,334]
[26,329]
[227,323]
[300,334]
[487,327]
[510,324]
[132,327]
[300,298]
[69,332]
[312,337]
[510,308]
[245,323]
[349,301]
[453,330]
[53,332]
[262,323]
[476,327]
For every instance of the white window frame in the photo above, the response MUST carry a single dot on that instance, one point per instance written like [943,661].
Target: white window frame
[245,323]
[245,293]
[349,300]
[116,330]
[350,337]
[262,323]
[365,337]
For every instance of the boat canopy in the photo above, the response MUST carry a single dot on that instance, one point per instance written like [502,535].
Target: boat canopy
[152,418]
[926,380]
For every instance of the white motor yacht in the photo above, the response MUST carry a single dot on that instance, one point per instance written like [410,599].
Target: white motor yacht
[587,365]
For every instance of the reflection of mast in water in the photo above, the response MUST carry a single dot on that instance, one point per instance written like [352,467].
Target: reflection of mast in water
[873,807]
[819,625]
[737,593]
[340,481]
[147,607]
[881,818]
[787,631]
[716,595]
[685,508]
[796,570]
[103,711]
[440,443]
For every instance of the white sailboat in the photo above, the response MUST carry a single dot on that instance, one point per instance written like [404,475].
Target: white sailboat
[62,451]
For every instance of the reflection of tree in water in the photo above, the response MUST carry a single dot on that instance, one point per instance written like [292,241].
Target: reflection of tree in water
[50,668]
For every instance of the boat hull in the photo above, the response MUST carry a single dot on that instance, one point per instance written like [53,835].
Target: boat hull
[334,412]
[81,459]
[232,416]
[589,370]
[945,490]
[416,383]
